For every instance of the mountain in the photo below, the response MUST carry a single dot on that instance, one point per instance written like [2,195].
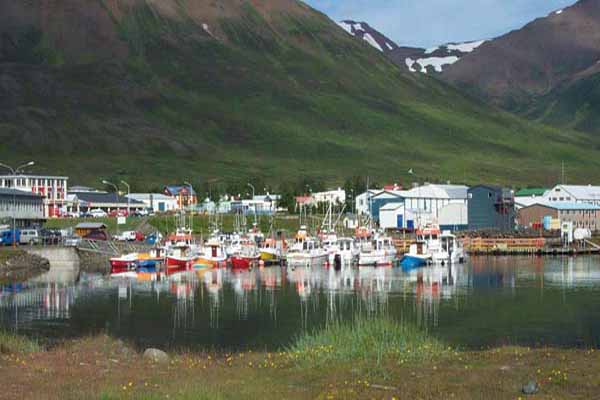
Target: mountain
[546,70]
[415,59]
[158,91]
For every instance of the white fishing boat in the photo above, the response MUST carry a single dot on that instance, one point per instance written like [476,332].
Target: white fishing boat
[345,250]
[379,252]
[448,250]
[305,250]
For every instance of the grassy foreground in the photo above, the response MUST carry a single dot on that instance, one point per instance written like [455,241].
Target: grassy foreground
[383,360]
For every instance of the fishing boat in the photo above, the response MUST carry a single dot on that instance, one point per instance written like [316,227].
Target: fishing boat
[379,252]
[305,250]
[272,250]
[212,253]
[124,263]
[179,248]
[247,256]
[132,264]
[345,250]
[421,252]
[449,250]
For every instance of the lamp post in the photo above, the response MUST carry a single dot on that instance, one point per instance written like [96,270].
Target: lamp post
[128,194]
[14,172]
[116,200]
[411,172]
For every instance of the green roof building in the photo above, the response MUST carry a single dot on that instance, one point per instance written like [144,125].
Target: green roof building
[531,192]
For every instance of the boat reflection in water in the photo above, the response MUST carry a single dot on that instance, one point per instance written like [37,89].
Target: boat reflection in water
[475,303]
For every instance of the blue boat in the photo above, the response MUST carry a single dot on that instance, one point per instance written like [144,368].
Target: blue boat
[412,262]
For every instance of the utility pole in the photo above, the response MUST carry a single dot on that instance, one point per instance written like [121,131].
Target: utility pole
[116,200]
[128,194]
[14,172]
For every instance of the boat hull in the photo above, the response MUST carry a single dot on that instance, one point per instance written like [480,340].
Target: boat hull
[243,262]
[411,262]
[119,266]
[268,256]
[177,262]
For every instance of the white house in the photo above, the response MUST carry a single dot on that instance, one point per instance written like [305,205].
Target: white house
[396,216]
[361,201]
[573,193]
[158,202]
[335,196]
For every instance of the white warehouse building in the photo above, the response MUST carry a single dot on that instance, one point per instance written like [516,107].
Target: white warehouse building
[158,202]
[445,205]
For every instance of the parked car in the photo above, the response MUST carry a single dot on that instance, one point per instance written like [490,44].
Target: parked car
[98,213]
[6,237]
[130,236]
[50,236]
[118,213]
[72,241]
[145,212]
[97,235]
[29,236]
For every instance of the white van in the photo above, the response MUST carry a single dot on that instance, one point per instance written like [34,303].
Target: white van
[29,236]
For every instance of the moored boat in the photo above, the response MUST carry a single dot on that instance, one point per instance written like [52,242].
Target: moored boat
[380,252]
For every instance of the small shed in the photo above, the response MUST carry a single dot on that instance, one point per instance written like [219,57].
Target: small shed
[85,228]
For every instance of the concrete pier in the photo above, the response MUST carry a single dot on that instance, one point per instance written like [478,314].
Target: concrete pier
[59,257]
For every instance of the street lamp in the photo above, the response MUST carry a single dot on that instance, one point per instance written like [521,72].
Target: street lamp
[116,200]
[14,172]
[128,194]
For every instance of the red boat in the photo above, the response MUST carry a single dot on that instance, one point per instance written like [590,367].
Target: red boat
[242,262]
[183,262]
[122,264]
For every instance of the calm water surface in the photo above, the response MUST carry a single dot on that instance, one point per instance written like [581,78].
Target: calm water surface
[486,302]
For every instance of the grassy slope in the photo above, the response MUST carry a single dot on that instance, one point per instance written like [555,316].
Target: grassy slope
[282,100]
[573,106]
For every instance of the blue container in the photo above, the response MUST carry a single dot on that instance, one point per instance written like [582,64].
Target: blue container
[547,222]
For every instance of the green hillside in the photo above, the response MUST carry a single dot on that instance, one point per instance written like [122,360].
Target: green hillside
[273,92]
[571,106]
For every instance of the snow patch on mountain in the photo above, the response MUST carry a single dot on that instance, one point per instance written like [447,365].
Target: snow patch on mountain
[467,47]
[436,62]
[559,12]
[372,41]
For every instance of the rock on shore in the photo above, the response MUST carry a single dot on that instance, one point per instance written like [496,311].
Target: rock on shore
[18,265]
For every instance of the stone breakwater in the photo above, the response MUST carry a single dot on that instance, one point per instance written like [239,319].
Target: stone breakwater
[18,266]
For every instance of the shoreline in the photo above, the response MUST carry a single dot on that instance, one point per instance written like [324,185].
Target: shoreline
[354,361]
[17,265]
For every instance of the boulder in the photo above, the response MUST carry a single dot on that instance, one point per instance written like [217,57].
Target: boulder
[156,355]
[530,388]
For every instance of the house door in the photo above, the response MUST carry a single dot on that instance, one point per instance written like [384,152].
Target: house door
[399,221]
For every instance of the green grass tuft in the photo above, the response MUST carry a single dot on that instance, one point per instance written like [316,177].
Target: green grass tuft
[15,344]
[371,340]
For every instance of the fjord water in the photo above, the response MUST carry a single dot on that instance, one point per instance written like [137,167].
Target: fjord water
[485,302]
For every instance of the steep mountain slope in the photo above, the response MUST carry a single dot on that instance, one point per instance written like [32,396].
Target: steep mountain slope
[415,59]
[163,90]
[549,54]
